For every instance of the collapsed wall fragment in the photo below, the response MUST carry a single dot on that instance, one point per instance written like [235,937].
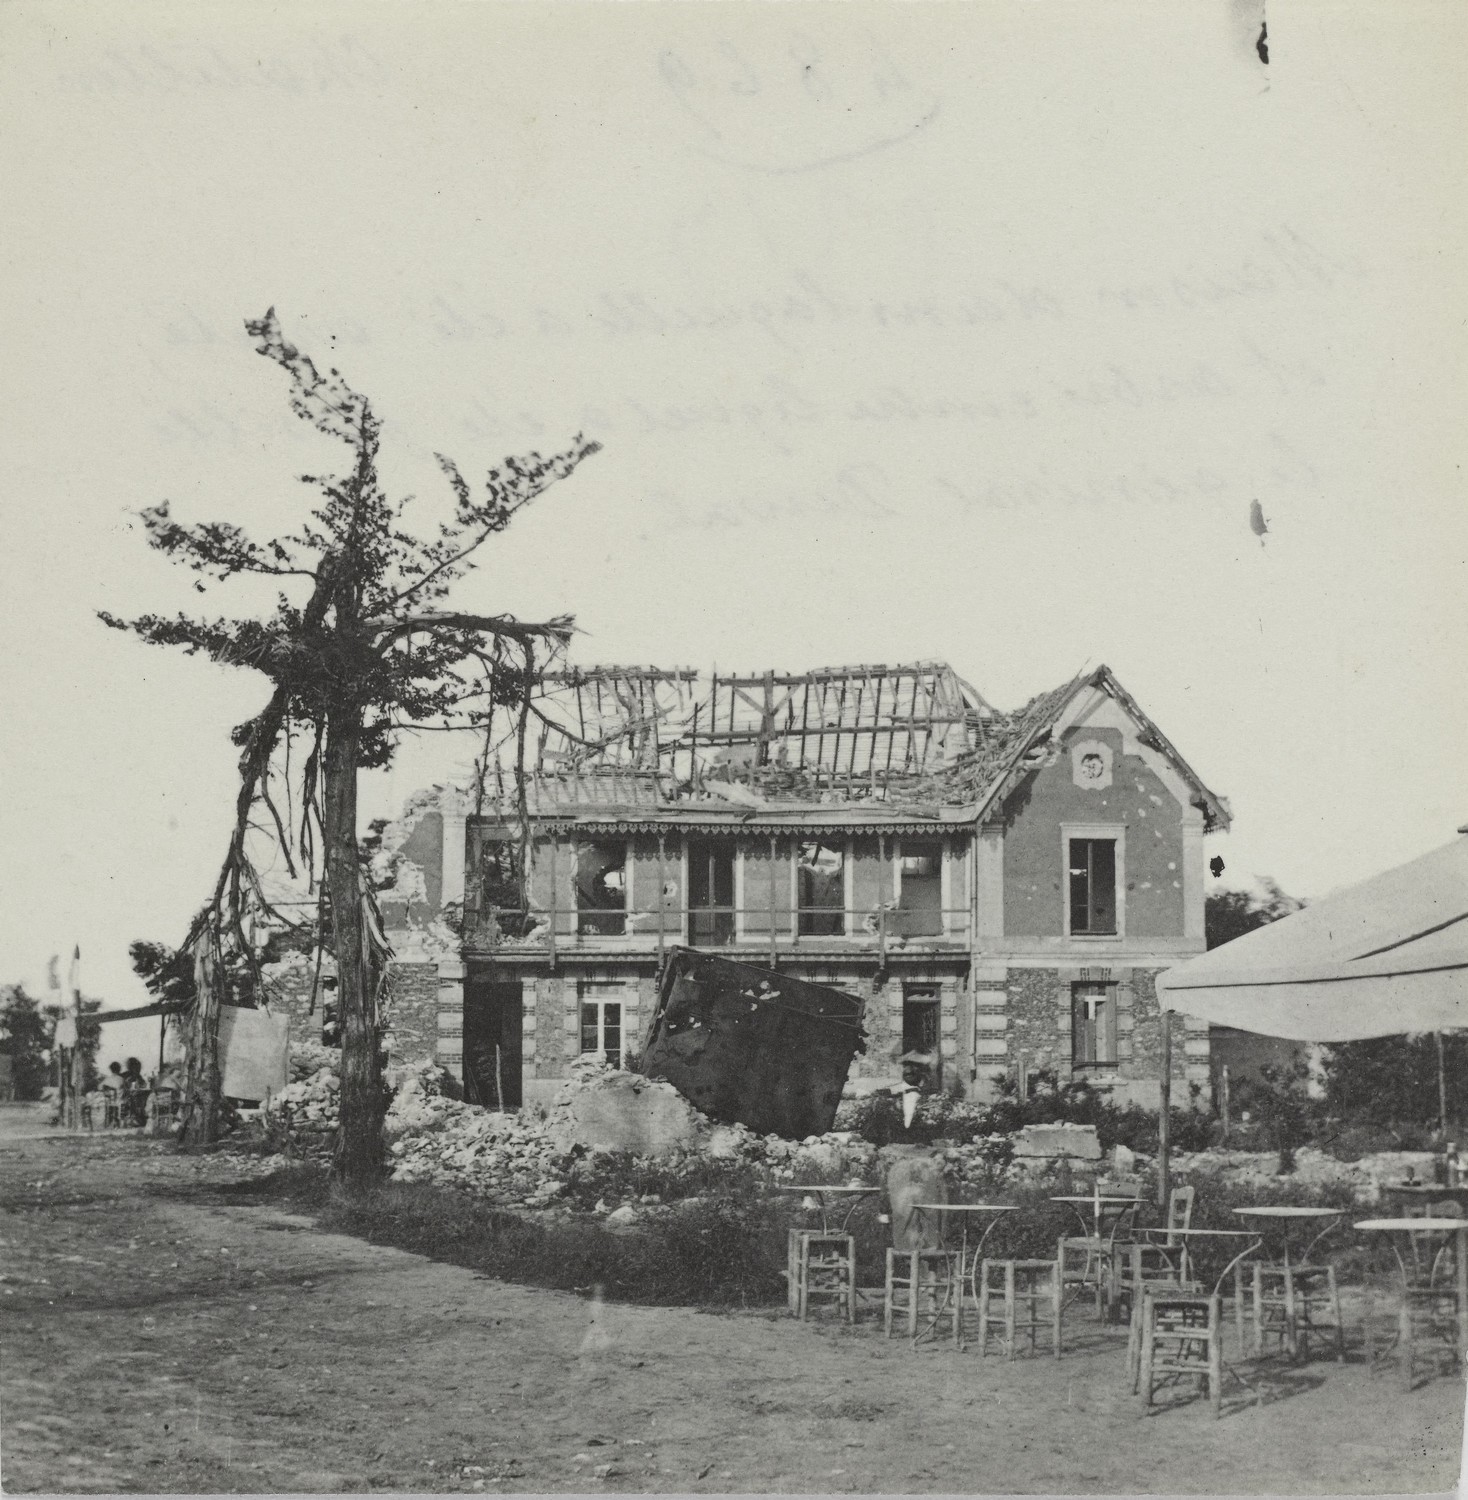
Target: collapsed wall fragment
[753,1046]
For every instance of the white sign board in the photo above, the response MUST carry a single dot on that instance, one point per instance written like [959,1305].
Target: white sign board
[253,1046]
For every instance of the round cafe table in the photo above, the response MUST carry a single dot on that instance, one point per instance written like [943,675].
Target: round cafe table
[1285,1216]
[968,1266]
[1109,1213]
[1167,1240]
[1103,1206]
[828,1196]
[1422,1197]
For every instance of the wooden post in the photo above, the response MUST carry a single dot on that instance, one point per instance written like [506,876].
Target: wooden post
[1164,1115]
[554,916]
[774,952]
[662,898]
[1442,1090]
[1223,1103]
[883,876]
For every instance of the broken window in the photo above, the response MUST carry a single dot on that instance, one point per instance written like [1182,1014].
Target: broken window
[502,904]
[601,1023]
[601,888]
[922,1058]
[1093,1025]
[1093,886]
[821,890]
[710,892]
[919,889]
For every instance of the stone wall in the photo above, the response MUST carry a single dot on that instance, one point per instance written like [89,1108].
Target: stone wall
[1028,1021]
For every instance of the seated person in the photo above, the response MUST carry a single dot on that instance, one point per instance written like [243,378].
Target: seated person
[134,1093]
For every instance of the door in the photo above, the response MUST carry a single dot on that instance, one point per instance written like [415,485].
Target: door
[710,893]
[494,1013]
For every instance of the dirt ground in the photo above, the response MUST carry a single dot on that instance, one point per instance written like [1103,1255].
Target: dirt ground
[155,1337]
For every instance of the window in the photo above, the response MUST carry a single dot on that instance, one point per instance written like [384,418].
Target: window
[1093,886]
[1093,1025]
[820,890]
[919,890]
[502,902]
[601,1022]
[601,888]
[710,892]
[922,1058]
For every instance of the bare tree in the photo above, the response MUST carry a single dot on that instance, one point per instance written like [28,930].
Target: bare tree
[359,648]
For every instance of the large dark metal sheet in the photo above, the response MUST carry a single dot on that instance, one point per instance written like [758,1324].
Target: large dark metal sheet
[753,1046]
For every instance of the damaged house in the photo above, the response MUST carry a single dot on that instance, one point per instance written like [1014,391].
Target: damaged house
[998,889]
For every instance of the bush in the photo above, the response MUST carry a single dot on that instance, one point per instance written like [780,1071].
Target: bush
[618,1176]
[941,1117]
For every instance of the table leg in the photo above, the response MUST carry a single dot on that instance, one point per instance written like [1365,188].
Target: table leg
[958,1286]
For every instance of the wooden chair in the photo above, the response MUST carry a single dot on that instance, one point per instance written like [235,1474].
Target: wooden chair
[1029,1294]
[1140,1274]
[920,1283]
[1427,1316]
[1291,1303]
[1182,1335]
[825,1272]
[1089,1261]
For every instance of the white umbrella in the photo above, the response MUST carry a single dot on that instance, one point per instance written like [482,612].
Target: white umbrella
[1387,956]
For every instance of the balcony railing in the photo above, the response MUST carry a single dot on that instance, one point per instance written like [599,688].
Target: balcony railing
[785,930]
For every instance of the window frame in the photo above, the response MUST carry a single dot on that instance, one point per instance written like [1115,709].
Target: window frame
[1115,833]
[736,912]
[928,995]
[1107,1039]
[593,911]
[944,895]
[844,846]
[601,994]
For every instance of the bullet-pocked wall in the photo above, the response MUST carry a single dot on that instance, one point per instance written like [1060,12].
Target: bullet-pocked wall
[1128,794]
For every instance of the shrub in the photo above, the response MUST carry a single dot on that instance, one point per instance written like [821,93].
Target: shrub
[940,1117]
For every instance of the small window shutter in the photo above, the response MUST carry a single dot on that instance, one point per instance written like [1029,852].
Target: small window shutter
[1103,885]
[1078,1024]
[1107,1048]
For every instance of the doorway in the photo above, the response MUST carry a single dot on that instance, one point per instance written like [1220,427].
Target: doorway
[494,1013]
[710,893]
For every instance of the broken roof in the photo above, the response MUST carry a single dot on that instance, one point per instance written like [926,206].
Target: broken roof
[901,737]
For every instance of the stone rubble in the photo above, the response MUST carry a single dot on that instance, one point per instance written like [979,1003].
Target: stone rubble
[523,1159]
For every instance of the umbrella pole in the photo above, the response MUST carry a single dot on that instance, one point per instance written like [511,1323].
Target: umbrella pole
[1164,1115]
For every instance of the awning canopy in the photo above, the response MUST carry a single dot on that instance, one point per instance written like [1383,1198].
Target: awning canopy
[1387,956]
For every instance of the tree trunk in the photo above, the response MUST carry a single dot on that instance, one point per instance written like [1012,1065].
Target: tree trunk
[363,1102]
[201,1120]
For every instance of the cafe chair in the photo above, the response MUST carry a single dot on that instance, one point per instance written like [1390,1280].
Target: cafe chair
[825,1271]
[1182,1336]
[1290,1303]
[919,1283]
[1019,1297]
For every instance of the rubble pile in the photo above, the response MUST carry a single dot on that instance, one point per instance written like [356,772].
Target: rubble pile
[308,1110]
[1313,1169]
[524,1159]
[510,1158]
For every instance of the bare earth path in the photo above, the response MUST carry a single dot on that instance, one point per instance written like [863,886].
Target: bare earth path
[154,1337]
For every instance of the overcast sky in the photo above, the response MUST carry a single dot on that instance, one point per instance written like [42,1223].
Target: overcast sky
[965,332]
